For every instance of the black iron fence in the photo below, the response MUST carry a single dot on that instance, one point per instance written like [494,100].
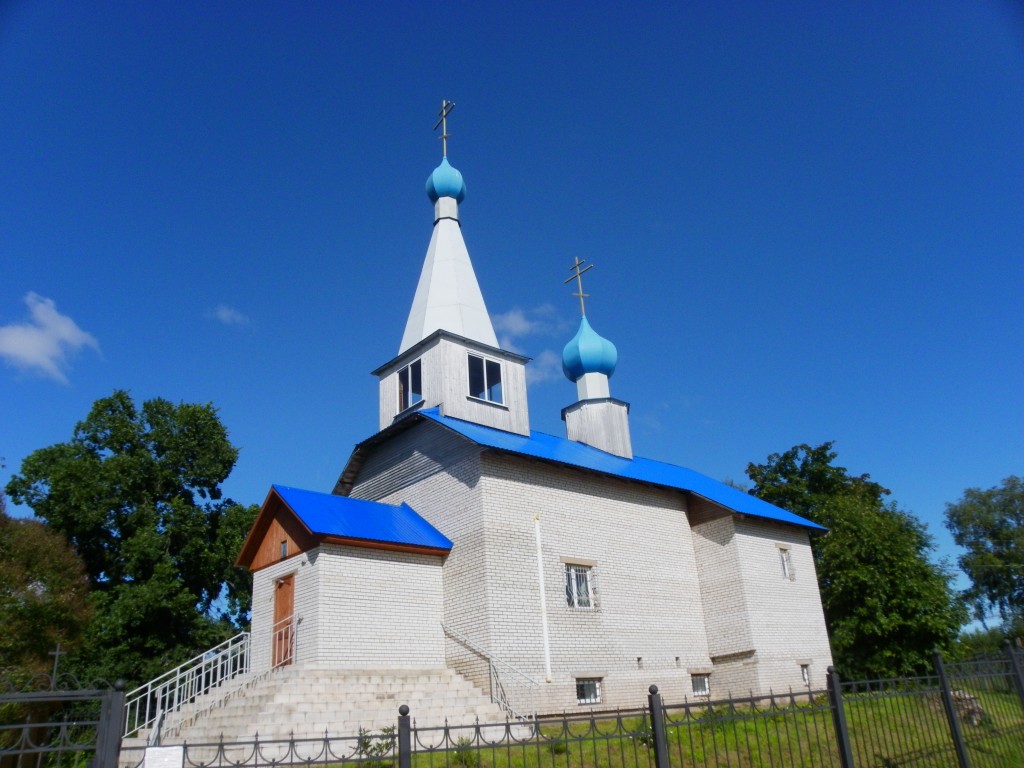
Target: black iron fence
[51,723]
[969,715]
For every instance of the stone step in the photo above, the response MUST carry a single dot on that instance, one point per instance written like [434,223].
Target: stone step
[308,700]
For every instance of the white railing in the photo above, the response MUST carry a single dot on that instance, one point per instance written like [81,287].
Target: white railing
[512,690]
[150,703]
[283,642]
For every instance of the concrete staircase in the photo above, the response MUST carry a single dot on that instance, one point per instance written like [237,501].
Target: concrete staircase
[308,700]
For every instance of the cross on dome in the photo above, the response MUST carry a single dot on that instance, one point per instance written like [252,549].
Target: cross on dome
[588,352]
[446,107]
[578,277]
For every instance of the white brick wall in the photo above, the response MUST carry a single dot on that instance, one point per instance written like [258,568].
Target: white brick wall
[761,625]
[673,596]
[307,606]
[647,591]
[382,609]
[786,617]
[356,608]
[451,501]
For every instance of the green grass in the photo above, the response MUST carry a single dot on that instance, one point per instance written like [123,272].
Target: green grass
[886,731]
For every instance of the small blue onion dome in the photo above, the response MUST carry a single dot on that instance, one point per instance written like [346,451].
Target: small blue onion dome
[588,353]
[445,181]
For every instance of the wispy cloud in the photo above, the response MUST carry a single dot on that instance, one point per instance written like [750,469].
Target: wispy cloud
[43,344]
[518,323]
[230,316]
[543,321]
[547,366]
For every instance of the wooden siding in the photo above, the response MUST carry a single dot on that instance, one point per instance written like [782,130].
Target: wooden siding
[603,424]
[511,416]
[445,372]
[274,524]
[409,458]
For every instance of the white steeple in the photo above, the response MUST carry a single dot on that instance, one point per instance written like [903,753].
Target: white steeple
[449,356]
[448,296]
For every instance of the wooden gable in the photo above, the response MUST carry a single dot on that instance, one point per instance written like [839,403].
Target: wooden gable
[276,535]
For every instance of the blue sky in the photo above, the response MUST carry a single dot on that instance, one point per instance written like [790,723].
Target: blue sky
[807,220]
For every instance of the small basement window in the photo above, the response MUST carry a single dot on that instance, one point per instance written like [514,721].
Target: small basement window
[410,386]
[485,379]
[701,685]
[588,690]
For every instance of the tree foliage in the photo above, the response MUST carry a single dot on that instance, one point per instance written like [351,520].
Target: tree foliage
[887,606]
[989,524]
[137,493]
[44,594]
[981,643]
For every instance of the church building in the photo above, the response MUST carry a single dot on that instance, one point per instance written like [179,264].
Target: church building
[556,572]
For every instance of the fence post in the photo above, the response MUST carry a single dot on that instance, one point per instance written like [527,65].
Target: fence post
[1018,677]
[835,700]
[658,728]
[108,733]
[950,706]
[404,738]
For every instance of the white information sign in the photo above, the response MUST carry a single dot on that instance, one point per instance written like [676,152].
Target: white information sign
[164,757]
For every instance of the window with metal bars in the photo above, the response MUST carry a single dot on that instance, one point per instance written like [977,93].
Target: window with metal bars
[579,586]
[588,690]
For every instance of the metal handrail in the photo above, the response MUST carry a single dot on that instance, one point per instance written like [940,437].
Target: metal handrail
[283,642]
[169,692]
[500,687]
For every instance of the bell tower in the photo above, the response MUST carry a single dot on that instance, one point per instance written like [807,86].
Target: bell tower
[449,355]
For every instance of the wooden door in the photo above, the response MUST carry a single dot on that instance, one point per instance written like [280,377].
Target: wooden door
[283,634]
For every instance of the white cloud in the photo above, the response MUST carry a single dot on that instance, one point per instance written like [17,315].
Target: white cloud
[518,323]
[513,323]
[43,344]
[230,316]
[547,366]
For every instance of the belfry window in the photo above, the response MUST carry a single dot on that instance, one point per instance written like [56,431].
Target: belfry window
[410,386]
[485,379]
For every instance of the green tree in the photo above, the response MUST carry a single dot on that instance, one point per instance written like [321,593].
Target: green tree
[887,606]
[976,643]
[989,524]
[44,595]
[137,493]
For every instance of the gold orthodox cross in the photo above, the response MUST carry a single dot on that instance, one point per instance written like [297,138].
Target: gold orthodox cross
[446,107]
[578,277]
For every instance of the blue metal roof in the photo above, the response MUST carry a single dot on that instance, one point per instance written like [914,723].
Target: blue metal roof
[542,446]
[328,515]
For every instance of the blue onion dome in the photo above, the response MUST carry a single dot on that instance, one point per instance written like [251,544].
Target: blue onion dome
[445,181]
[588,353]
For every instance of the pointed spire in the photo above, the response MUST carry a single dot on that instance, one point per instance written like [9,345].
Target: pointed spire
[448,296]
